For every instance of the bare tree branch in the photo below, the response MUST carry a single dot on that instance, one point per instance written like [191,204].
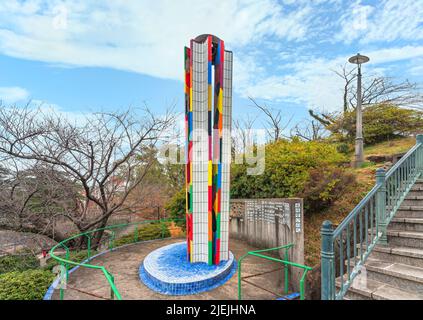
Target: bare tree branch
[274,125]
[98,154]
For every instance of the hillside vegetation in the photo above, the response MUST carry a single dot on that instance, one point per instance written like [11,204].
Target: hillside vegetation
[365,179]
[320,171]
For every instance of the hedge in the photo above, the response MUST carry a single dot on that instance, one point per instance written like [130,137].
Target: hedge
[22,262]
[25,285]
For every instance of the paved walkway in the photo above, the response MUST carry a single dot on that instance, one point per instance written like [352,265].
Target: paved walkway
[124,263]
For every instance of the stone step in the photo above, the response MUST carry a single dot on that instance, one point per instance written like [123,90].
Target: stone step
[406,224]
[413,200]
[362,289]
[413,239]
[418,186]
[409,212]
[413,193]
[405,255]
[414,197]
[394,274]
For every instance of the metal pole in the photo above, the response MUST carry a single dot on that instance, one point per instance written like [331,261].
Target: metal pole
[327,262]
[381,206]
[359,154]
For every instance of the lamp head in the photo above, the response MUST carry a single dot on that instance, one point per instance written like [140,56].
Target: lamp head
[358,59]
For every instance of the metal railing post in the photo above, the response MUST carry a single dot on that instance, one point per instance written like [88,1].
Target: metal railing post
[136,234]
[240,277]
[327,262]
[286,271]
[88,246]
[112,241]
[63,277]
[381,219]
[419,155]
[112,293]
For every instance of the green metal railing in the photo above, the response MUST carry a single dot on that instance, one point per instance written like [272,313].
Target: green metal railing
[66,262]
[286,263]
[345,249]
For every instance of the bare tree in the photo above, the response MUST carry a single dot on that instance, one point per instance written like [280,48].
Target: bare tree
[309,130]
[242,133]
[386,90]
[274,124]
[31,198]
[378,90]
[99,152]
[348,76]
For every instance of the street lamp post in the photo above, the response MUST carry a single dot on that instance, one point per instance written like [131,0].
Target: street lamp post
[359,59]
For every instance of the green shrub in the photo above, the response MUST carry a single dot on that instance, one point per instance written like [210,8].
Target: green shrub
[287,169]
[149,231]
[25,285]
[176,208]
[345,148]
[18,263]
[324,186]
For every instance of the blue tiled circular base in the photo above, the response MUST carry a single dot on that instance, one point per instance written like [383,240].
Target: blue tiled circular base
[167,271]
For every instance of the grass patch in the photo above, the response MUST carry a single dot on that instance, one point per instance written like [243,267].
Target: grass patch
[390,147]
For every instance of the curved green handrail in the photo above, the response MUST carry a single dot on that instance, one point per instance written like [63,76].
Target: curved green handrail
[285,262]
[65,262]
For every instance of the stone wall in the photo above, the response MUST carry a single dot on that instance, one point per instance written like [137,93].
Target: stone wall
[267,223]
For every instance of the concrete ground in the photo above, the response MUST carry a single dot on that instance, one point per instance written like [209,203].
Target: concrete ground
[123,263]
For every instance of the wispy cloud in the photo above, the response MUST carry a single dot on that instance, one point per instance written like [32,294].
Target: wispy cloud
[285,49]
[13,94]
[387,20]
[139,36]
[312,83]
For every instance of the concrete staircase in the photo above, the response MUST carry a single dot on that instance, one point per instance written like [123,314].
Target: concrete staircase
[395,271]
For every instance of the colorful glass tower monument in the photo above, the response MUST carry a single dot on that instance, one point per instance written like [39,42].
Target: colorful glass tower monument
[208,110]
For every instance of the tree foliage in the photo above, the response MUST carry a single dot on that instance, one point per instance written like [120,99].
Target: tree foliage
[176,207]
[288,166]
[380,123]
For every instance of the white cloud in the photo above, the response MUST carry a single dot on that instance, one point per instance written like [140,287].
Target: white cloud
[147,37]
[312,82]
[48,108]
[387,20]
[13,94]
[141,36]
[395,54]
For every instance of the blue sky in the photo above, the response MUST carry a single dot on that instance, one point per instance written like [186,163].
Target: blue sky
[82,56]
